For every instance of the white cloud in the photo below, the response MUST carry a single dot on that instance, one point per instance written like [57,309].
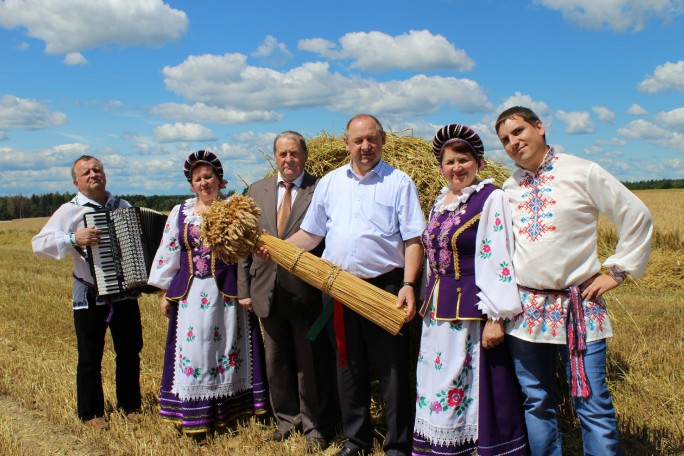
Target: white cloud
[578,122]
[604,114]
[636,110]
[672,119]
[672,166]
[23,46]
[259,139]
[377,52]
[616,167]
[665,77]
[618,15]
[419,95]
[593,150]
[62,155]
[200,112]
[227,82]
[74,25]
[519,99]
[74,58]
[183,132]
[611,142]
[654,134]
[27,114]
[320,46]
[273,51]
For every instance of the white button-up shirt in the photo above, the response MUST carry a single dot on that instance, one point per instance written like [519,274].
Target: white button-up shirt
[365,220]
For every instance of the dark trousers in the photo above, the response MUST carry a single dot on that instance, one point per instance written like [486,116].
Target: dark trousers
[299,376]
[126,331]
[368,345]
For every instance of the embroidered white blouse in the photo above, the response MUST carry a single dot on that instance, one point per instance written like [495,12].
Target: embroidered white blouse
[555,219]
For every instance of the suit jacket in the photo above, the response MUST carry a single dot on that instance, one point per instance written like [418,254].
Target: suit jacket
[263,281]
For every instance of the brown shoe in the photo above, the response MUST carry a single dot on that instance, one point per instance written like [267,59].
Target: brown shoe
[98,423]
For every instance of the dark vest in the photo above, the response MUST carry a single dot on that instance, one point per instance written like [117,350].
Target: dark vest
[225,275]
[457,297]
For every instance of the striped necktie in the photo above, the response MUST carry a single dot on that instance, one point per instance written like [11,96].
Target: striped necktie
[284,209]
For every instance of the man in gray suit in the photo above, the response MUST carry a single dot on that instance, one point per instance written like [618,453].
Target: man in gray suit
[298,370]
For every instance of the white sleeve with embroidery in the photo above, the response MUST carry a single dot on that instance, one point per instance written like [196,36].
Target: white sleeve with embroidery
[631,217]
[53,240]
[167,260]
[494,273]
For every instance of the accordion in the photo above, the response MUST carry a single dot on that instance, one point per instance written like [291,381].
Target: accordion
[121,261]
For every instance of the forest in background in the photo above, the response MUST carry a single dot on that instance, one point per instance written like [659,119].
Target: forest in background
[18,206]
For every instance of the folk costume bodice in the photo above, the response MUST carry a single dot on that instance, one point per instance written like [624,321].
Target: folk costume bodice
[197,260]
[451,246]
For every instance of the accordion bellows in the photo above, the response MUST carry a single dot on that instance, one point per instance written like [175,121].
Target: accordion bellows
[229,228]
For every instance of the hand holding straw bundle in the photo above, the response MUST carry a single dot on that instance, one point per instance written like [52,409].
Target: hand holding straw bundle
[230,229]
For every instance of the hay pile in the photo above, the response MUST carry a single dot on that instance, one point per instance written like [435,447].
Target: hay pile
[409,154]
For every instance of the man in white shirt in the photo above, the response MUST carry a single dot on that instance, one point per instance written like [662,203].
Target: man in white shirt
[556,199]
[64,235]
[369,215]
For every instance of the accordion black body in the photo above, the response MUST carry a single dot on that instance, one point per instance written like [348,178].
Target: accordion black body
[121,261]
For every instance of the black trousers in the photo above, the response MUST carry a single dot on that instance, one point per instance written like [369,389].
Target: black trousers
[368,345]
[126,331]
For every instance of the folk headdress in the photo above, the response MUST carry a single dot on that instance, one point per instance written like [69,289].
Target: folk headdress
[202,156]
[453,133]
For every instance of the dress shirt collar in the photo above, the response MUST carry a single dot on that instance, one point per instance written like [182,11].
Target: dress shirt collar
[544,165]
[297,182]
[378,169]
[81,200]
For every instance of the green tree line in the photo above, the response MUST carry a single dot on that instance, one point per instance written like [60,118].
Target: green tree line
[655,184]
[17,206]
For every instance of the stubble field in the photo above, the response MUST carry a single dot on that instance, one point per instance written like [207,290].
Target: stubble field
[38,359]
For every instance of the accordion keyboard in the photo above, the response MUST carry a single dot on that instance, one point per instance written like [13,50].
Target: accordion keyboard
[107,271]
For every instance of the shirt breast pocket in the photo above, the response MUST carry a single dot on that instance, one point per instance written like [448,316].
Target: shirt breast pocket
[382,216]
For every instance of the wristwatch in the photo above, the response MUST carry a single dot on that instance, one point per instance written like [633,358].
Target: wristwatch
[409,284]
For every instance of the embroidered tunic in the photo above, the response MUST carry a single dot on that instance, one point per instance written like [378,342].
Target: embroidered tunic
[461,402]
[555,217]
[212,349]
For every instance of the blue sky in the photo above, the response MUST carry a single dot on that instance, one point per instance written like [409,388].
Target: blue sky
[142,83]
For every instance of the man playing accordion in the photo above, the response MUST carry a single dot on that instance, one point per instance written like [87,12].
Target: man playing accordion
[63,235]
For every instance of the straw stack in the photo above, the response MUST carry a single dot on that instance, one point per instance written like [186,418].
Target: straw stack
[229,228]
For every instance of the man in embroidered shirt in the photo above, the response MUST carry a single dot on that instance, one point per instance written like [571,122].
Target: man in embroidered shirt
[63,235]
[298,370]
[556,199]
[369,215]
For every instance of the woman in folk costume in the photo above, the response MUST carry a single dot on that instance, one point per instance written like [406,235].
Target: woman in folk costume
[214,357]
[468,399]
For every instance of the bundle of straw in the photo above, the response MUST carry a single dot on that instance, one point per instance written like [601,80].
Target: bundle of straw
[229,228]
[369,301]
